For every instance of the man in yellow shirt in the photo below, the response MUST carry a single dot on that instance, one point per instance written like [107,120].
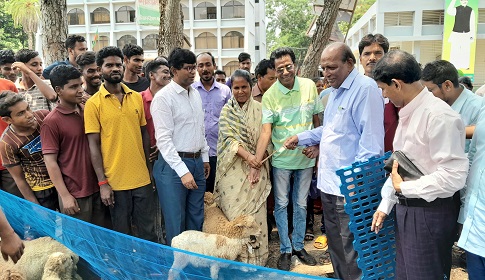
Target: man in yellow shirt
[114,120]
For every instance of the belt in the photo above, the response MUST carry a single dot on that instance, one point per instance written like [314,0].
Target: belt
[419,202]
[189,155]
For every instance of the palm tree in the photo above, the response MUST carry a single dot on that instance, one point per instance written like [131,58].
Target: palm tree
[25,13]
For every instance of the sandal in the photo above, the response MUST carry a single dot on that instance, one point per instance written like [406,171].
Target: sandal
[320,242]
[309,236]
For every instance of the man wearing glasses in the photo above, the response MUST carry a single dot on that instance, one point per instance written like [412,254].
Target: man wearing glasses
[290,106]
[181,171]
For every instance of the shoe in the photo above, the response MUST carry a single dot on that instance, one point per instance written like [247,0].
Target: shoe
[304,257]
[284,262]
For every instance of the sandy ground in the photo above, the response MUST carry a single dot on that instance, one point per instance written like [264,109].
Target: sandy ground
[322,269]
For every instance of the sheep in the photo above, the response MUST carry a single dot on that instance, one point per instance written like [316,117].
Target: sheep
[214,245]
[216,222]
[42,255]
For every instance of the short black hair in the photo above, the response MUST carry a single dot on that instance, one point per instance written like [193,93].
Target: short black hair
[130,50]
[7,56]
[316,79]
[178,57]
[243,74]
[72,40]
[439,71]
[220,72]
[262,67]
[466,81]
[8,99]
[25,55]
[61,74]
[243,56]
[208,53]
[398,65]
[153,66]
[106,52]
[370,39]
[280,52]
[86,58]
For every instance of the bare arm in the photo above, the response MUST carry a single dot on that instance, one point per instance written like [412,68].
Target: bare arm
[316,121]
[106,193]
[146,147]
[12,246]
[263,141]
[44,88]
[69,203]
[469,130]
[24,188]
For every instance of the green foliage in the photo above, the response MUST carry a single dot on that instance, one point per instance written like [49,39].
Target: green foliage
[360,9]
[11,37]
[288,21]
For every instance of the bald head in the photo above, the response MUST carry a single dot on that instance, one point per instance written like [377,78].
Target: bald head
[337,61]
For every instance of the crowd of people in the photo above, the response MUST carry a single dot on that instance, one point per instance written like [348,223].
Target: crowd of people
[112,139]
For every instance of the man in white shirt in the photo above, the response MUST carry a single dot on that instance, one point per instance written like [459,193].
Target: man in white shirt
[181,171]
[432,136]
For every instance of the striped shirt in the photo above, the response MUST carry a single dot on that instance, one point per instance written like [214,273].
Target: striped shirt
[26,151]
[290,111]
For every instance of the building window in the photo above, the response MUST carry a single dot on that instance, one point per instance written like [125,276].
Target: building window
[150,42]
[185,11]
[206,40]
[433,17]
[256,48]
[126,39]
[399,19]
[256,24]
[233,9]
[75,17]
[205,10]
[233,40]
[103,41]
[125,14]
[100,15]
[230,67]
[481,15]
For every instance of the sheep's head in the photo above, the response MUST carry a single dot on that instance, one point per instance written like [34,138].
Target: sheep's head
[248,226]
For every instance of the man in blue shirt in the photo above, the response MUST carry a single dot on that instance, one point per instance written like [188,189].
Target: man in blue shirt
[75,45]
[353,130]
[214,96]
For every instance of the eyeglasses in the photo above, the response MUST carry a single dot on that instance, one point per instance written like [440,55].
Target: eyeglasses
[289,68]
[190,68]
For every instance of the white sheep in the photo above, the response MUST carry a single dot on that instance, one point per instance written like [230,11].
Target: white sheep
[214,245]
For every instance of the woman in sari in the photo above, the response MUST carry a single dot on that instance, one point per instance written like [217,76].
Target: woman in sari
[242,184]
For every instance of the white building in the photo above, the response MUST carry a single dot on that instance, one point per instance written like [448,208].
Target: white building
[224,28]
[415,26]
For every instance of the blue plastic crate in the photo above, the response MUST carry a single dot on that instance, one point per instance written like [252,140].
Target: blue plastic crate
[361,186]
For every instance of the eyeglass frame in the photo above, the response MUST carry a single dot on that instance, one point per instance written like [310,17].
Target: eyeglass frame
[289,68]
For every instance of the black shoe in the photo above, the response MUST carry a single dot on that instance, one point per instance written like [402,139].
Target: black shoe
[304,257]
[284,262]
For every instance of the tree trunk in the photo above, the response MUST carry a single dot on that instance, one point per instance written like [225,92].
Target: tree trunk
[171,26]
[54,30]
[30,40]
[320,38]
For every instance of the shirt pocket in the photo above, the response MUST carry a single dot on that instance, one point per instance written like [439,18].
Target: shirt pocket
[342,121]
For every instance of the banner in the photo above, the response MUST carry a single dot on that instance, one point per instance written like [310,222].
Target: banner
[148,12]
[460,34]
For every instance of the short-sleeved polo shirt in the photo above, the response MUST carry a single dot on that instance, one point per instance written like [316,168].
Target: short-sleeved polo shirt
[290,111]
[62,133]
[121,141]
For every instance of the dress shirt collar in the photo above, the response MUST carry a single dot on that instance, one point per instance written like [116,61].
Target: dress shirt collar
[178,88]
[462,98]
[347,83]
[411,106]
[215,84]
[105,93]
[256,90]
[284,90]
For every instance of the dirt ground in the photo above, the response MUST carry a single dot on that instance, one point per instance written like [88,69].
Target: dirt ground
[458,272]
